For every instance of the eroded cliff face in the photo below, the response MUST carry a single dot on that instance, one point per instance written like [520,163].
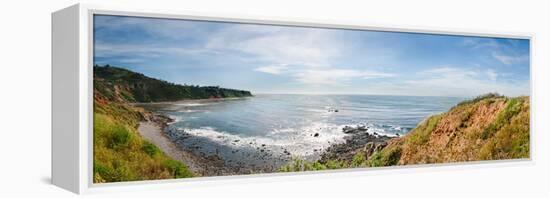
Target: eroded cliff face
[487,128]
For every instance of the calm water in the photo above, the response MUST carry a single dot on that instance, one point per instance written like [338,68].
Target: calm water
[258,132]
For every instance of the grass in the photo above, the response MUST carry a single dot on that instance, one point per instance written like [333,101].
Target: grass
[484,97]
[383,158]
[121,154]
[421,134]
[513,107]
[298,164]
[386,157]
[508,136]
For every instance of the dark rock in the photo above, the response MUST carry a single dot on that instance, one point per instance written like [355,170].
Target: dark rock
[358,141]
[348,129]
[316,135]
[351,130]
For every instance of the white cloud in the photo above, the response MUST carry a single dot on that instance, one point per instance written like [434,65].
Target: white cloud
[335,76]
[272,69]
[135,53]
[293,46]
[306,54]
[310,56]
[500,52]
[478,43]
[464,82]
[505,59]
[312,75]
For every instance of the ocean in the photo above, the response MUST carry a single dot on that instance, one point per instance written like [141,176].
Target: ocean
[263,132]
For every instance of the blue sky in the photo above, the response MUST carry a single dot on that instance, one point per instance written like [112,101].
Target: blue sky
[284,59]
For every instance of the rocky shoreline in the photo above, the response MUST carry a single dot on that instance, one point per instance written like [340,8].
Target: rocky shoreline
[359,140]
[153,128]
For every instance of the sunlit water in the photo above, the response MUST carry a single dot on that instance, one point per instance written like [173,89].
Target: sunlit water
[265,131]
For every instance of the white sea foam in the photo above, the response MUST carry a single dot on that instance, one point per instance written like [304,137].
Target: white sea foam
[300,141]
[188,111]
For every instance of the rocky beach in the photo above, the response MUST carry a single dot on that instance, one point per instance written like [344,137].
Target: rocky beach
[153,130]
[358,139]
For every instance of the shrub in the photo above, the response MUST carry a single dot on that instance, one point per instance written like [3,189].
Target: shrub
[386,157]
[120,136]
[358,159]
[479,98]
[177,169]
[298,164]
[150,149]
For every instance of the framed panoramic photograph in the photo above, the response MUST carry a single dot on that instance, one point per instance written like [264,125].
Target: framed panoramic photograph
[143,96]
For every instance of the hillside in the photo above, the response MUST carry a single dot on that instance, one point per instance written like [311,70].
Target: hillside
[489,127]
[120,152]
[118,84]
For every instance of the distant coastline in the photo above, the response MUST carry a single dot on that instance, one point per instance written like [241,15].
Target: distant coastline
[183,101]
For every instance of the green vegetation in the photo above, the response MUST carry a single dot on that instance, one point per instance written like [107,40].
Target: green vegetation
[359,160]
[503,118]
[421,134]
[488,127]
[298,164]
[485,97]
[121,154]
[118,84]
[386,157]
[508,136]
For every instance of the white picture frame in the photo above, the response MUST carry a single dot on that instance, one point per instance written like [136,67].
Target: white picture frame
[72,101]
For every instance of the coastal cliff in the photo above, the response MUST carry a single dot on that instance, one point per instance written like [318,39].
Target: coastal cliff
[489,127]
[121,151]
[122,85]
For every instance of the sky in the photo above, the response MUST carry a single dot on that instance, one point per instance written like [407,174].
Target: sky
[305,60]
